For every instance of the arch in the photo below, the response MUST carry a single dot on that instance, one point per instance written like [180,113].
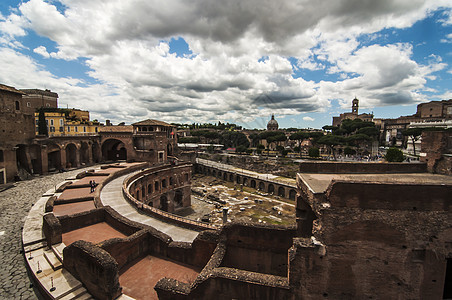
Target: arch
[21,158]
[225,176]
[271,188]
[17,103]
[113,149]
[253,183]
[71,156]
[231,177]
[237,179]
[171,181]
[163,183]
[178,198]
[84,153]
[53,157]
[292,194]
[149,188]
[214,173]
[219,174]
[164,202]
[245,181]
[282,192]
[36,159]
[143,192]
[261,186]
[156,186]
[95,149]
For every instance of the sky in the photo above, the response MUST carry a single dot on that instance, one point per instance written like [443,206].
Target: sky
[237,61]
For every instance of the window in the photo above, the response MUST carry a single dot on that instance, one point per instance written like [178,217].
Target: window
[17,105]
[84,129]
[51,122]
[28,104]
[76,129]
[61,129]
[61,122]
[37,122]
[47,104]
[69,129]
[1,155]
[95,129]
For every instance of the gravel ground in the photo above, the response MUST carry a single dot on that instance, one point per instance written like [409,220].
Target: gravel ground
[15,204]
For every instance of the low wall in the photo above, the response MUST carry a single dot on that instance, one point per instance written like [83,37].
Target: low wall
[95,268]
[258,248]
[391,196]
[157,213]
[361,167]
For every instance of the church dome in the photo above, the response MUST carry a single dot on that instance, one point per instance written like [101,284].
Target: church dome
[272,124]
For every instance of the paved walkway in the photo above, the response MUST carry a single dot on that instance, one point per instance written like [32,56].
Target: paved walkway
[112,195]
[15,204]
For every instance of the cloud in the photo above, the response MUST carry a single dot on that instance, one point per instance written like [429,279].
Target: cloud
[244,55]
[308,119]
[41,50]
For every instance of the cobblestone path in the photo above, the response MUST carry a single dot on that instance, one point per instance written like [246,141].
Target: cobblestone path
[15,204]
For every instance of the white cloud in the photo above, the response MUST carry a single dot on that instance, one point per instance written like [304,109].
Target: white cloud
[125,44]
[41,50]
[308,119]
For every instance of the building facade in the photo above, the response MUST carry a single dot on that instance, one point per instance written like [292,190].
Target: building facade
[353,115]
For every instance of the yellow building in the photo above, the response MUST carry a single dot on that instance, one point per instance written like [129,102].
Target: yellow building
[67,122]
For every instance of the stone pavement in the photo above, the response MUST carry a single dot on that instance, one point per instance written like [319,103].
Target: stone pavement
[112,195]
[15,203]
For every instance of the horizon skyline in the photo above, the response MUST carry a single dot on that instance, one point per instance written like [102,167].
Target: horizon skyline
[237,62]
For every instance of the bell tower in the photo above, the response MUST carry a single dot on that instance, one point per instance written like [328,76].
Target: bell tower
[355,104]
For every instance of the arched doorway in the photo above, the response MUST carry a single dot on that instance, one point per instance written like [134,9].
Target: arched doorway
[21,159]
[36,159]
[71,156]
[261,186]
[292,194]
[178,198]
[95,149]
[281,192]
[253,183]
[84,153]
[53,157]
[113,149]
[271,188]
[164,202]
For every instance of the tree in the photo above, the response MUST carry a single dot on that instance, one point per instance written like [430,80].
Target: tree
[394,155]
[234,139]
[331,141]
[299,136]
[42,125]
[349,151]
[414,134]
[314,152]
[240,149]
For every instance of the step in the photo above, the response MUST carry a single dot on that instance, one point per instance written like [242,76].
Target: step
[57,249]
[80,294]
[52,259]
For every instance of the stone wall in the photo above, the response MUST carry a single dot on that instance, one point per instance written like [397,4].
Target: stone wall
[258,248]
[360,167]
[94,267]
[434,146]
[375,240]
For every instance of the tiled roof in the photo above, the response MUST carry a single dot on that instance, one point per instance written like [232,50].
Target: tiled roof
[10,89]
[150,122]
